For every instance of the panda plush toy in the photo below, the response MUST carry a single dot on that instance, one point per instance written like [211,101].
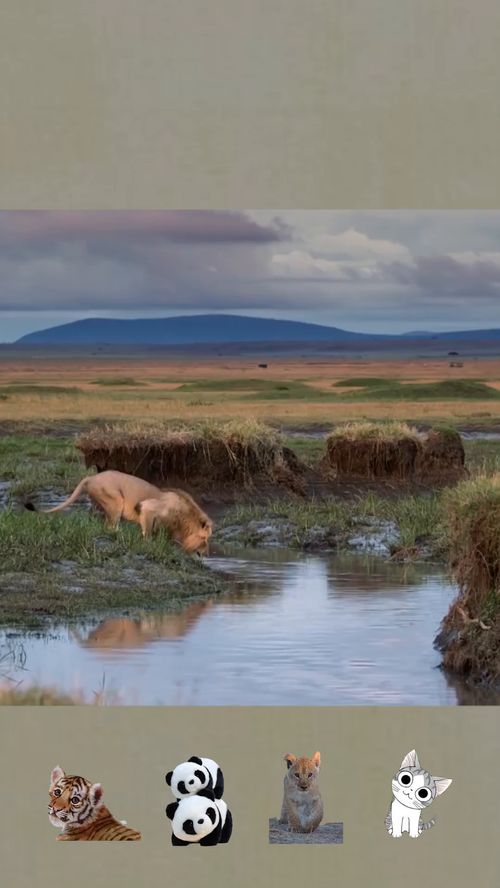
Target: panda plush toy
[195,775]
[200,819]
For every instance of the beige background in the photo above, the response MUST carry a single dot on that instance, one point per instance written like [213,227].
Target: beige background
[284,103]
[249,103]
[130,750]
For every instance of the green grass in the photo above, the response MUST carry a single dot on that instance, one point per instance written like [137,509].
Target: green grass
[309,450]
[417,517]
[200,402]
[375,389]
[368,388]
[62,567]
[361,382]
[303,514]
[33,389]
[35,695]
[260,389]
[118,381]
[35,463]
[34,446]
[482,457]
[227,385]
[292,391]
[445,429]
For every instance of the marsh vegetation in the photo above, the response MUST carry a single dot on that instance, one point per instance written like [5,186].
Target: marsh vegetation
[228,427]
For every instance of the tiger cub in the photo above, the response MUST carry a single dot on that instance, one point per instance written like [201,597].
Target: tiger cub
[75,806]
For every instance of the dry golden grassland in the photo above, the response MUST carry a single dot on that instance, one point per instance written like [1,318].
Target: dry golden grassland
[287,391]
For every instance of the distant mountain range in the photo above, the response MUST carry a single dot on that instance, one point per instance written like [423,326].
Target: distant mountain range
[219,328]
[187,330]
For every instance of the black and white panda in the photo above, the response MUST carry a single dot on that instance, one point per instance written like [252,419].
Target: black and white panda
[196,774]
[200,819]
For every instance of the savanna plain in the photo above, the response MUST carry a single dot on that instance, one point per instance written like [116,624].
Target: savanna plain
[355,557]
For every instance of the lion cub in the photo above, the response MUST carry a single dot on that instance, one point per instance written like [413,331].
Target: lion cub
[302,807]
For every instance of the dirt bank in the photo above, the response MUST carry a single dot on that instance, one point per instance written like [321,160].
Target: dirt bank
[325,834]
[469,637]
[238,457]
[393,452]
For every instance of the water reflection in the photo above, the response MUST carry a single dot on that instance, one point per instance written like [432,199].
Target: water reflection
[126,634]
[295,630]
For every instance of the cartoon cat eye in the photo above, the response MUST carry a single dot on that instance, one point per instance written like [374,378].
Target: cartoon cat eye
[405,778]
[423,794]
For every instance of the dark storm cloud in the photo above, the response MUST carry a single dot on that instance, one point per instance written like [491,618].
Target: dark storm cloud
[43,227]
[385,268]
[124,260]
[446,274]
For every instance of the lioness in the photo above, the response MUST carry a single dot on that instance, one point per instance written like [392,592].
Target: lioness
[121,496]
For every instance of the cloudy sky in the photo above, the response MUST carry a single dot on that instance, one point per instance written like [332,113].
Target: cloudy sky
[387,271]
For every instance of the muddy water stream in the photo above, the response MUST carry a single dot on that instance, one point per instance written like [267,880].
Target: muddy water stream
[337,629]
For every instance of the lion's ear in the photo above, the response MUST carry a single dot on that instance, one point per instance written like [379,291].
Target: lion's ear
[290,759]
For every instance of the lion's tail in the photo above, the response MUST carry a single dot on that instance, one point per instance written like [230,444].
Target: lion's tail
[79,489]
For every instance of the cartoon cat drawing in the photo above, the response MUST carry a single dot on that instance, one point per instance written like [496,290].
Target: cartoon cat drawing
[413,789]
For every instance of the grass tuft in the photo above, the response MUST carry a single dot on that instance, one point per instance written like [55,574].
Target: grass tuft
[394,450]
[376,389]
[380,431]
[35,696]
[235,452]
[470,633]
[118,381]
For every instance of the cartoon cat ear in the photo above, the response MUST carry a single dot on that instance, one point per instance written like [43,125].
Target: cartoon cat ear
[410,760]
[290,759]
[95,793]
[317,759]
[442,784]
[56,774]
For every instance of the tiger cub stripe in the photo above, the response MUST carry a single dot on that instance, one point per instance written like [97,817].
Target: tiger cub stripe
[76,807]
